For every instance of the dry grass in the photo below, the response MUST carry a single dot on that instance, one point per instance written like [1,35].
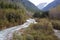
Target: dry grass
[56,24]
[43,30]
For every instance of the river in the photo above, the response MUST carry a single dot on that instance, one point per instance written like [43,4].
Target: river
[7,33]
[57,33]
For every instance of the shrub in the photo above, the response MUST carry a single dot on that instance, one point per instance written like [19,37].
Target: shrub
[38,15]
[12,17]
[5,5]
[41,14]
[56,24]
[43,30]
[22,37]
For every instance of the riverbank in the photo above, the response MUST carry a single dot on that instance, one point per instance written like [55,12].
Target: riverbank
[8,33]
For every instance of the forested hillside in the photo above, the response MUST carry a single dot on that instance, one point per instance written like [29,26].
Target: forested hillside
[14,12]
[11,14]
[55,12]
[26,3]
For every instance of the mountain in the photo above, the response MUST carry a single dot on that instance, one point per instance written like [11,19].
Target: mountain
[11,15]
[26,3]
[41,5]
[55,12]
[29,6]
[51,5]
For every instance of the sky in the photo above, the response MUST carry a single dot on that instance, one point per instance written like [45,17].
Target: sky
[37,2]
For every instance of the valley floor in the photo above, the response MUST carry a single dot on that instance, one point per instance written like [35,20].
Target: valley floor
[8,33]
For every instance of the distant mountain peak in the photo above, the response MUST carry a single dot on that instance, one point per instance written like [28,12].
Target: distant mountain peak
[41,5]
[51,5]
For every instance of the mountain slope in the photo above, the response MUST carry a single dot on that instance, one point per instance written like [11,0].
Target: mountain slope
[11,15]
[52,5]
[27,4]
[55,13]
[41,5]
[14,12]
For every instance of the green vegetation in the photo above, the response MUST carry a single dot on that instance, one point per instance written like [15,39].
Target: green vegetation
[11,15]
[54,14]
[56,24]
[41,14]
[5,5]
[43,30]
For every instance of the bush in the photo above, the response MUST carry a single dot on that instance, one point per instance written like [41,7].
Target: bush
[5,5]
[11,14]
[38,15]
[41,14]
[56,24]
[43,30]
[22,37]
[12,17]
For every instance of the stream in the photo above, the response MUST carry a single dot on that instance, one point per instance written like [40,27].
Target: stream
[7,33]
[57,33]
